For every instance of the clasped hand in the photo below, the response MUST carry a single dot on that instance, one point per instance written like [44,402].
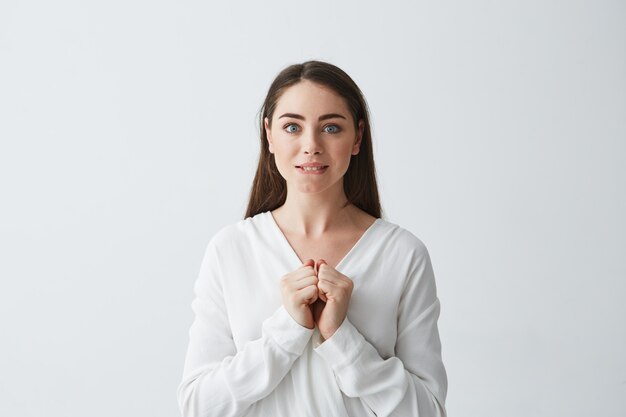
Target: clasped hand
[318,294]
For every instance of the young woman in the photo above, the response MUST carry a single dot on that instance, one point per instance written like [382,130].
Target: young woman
[313,305]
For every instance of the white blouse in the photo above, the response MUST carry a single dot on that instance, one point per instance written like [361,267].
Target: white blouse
[248,357]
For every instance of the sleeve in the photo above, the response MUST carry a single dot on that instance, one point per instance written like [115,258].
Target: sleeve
[217,380]
[412,383]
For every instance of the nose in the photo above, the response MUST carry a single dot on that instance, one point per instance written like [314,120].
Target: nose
[311,143]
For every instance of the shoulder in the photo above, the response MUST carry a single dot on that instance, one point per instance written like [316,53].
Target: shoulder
[408,256]
[400,239]
[392,235]
[238,234]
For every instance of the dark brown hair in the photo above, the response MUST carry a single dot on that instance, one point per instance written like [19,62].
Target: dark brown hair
[269,188]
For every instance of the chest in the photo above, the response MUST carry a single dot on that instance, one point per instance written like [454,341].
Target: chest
[252,294]
[331,249]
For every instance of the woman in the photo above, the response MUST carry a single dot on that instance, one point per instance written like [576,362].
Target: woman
[313,305]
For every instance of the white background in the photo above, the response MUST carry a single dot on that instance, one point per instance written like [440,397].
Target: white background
[129,136]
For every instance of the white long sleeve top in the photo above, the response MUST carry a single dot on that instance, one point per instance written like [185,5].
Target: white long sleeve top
[248,357]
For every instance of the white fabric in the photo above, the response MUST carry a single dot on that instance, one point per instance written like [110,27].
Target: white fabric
[248,357]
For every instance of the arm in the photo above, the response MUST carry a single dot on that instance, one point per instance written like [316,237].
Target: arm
[412,383]
[219,381]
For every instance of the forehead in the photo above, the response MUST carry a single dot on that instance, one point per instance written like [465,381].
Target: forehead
[311,99]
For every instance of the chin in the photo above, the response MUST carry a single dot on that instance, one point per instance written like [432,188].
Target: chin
[315,188]
[309,189]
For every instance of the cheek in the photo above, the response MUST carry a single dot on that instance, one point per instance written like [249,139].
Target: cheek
[344,155]
[283,157]
[283,149]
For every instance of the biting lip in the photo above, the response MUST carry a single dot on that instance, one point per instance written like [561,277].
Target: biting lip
[311,164]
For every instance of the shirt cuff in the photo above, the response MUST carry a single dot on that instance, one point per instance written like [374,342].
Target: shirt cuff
[286,332]
[342,348]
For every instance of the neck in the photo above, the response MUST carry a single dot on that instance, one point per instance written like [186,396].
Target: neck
[311,215]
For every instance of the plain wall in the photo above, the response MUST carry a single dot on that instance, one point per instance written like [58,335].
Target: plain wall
[129,137]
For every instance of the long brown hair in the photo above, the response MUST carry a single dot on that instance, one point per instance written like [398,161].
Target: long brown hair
[269,188]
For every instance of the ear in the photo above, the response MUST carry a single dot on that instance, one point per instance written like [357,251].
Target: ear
[268,134]
[359,137]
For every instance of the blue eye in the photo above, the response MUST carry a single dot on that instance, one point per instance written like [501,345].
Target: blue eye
[291,130]
[333,126]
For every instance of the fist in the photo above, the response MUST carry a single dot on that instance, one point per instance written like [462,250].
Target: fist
[334,293]
[299,290]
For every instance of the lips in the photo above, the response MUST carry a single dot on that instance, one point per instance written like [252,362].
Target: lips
[312,164]
[318,169]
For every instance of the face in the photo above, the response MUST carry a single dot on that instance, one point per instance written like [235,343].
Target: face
[312,124]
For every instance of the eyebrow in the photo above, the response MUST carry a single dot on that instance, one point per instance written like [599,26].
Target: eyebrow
[322,117]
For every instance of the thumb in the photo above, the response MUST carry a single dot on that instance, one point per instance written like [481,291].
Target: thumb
[317,265]
[309,262]
[317,269]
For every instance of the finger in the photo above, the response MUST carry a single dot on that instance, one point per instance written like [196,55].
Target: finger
[317,265]
[328,273]
[294,279]
[304,282]
[327,286]
[299,275]
[334,290]
[322,295]
[309,294]
[303,271]
[322,265]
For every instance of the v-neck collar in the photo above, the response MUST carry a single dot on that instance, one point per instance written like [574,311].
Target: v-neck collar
[294,255]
